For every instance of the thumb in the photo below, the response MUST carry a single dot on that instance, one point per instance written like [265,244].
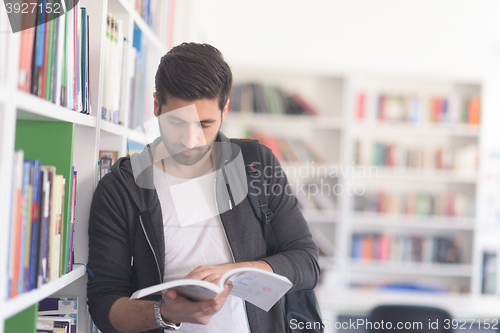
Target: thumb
[172,294]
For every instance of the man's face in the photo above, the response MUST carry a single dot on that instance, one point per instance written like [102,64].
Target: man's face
[188,128]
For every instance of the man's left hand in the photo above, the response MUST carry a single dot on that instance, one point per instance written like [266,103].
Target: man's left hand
[213,273]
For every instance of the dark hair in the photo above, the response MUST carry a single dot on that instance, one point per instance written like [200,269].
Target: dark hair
[192,71]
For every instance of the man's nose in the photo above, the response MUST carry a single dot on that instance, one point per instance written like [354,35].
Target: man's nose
[192,136]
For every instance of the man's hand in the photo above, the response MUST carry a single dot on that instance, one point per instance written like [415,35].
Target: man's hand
[215,272]
[177,309]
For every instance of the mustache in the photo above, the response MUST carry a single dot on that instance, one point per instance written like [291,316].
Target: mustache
[199,148]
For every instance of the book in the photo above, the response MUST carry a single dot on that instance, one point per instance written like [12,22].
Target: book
[55,324]
[60,307]
[43,253]
[259,98]
[259,287]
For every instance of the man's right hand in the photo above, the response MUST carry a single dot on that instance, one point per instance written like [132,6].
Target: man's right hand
[177,309]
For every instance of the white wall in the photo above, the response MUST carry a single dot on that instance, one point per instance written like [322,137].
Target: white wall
[450,38]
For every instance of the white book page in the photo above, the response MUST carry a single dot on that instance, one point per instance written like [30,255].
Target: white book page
[259,287]
[196,290]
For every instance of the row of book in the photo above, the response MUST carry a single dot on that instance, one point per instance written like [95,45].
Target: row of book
[158,15]
[289,149]
[116,51]
[54,56]
[41,247]
[409,286]
[460,159]
[139,110]
[261,98]
[57,315]
[450,204]
[452,109]
[405,248]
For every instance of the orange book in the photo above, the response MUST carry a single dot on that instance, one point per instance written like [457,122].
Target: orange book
[474,111]
[272,143]
[17,217]
[26,49]
[367,245]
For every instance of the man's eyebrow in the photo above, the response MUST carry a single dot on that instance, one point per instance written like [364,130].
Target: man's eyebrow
[180,119]
[169,116]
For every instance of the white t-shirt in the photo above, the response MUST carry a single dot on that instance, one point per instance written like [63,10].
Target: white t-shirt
[194,236]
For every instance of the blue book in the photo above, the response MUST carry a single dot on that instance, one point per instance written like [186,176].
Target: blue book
[26,181]
[69,230]
[35,216]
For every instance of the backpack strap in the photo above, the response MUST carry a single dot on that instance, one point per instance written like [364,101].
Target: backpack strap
[256,191]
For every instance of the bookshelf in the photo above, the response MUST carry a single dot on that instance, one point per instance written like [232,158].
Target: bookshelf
[62,137]
[334,131]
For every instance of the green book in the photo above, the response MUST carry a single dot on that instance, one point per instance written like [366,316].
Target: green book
[64,76]
[24,321]
[49,75]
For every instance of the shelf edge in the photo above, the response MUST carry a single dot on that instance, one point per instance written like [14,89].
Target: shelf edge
[23,301]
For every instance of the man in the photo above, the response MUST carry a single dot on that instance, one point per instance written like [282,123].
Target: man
[155,219]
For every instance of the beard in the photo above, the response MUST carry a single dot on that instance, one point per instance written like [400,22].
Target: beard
[197,154]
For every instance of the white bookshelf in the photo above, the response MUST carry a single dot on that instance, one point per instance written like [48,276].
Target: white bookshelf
[335,131]
[91,134]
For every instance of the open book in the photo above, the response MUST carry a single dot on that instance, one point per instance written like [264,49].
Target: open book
[257,286]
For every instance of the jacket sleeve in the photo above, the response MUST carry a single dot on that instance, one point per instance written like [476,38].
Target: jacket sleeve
[297,254]
[109,252]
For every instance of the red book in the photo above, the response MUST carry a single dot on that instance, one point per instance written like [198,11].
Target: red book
[384,249]
[272,143]
[360,106]
[26,50]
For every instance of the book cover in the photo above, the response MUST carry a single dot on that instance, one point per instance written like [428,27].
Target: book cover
[28,34]
[59,60]
[78,58]
[24,222]
[35,221]
[61,307]
[39,51]
[47,174]
[83,59]
[16,223]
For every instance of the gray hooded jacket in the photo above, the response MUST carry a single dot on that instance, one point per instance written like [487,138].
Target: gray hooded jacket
[126,241]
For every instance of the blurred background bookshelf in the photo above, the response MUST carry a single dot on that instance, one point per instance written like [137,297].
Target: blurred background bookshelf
[401,122]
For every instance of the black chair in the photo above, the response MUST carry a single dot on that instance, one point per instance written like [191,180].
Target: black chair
[408,318]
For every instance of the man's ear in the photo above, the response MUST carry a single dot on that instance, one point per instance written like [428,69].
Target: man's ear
[224,112]
[156,105]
